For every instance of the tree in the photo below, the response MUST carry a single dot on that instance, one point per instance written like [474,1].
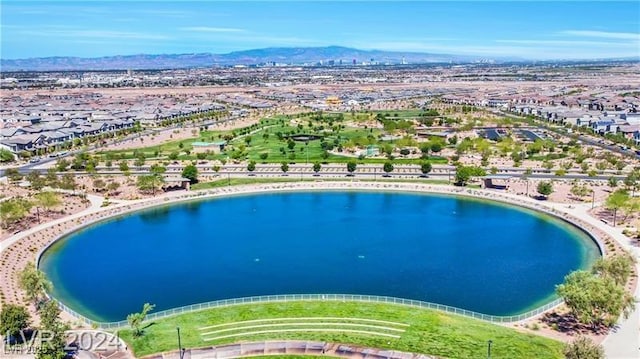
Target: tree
[51,178]
[190,172]
[157,169]
[545,188]
[123,166]
[425,168]
[14,210]
[465,173]
[13,174]
[150,183]
[631,181]
[173,155]
[99,184]
[62,165]
[50,321]
[34,283]
[387,167]
[80,161]
[6,155]
[579,190]
[595,299]
[619,268]
[136,319]
[351,167]
[284,166]
[139,162]
[316,167]
[583,348]
[13,319]
[36,180]
[68,182]
[615,201]
[251,166]
[113,186]
[47,200]
[436,147]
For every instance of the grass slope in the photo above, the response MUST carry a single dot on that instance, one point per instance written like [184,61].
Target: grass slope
[430,332]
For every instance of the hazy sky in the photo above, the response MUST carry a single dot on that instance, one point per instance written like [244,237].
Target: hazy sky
[534,30]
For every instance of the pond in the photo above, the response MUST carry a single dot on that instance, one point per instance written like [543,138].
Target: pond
[477,255]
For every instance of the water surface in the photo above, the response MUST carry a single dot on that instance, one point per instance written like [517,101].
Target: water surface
[481,256]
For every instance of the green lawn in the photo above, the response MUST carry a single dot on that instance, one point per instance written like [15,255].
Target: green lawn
[269,137]
[430,332]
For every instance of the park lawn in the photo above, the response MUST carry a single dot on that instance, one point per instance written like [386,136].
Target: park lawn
[430,332]
[302,152]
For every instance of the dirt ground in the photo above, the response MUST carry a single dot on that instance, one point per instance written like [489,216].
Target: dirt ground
[70,204]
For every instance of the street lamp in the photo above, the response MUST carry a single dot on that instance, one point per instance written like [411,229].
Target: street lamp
[488,349]
[180,350]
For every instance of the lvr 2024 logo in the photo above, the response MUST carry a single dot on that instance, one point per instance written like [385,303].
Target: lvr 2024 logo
[30,341]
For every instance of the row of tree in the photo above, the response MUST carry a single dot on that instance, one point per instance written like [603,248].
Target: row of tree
[387,167]
[14,210]
[15,319]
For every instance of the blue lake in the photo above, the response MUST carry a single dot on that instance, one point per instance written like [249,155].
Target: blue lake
[477,255]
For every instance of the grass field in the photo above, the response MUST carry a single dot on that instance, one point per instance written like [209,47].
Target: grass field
[269,138]
[429,332]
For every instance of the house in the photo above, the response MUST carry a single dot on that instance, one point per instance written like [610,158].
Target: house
[629,131]
[10,132]
[27,142]
[601,126]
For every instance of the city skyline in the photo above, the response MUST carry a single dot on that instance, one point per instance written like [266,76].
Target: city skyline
[525,30]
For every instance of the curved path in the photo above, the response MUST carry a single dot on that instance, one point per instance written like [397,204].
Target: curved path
[289,347]
[622,343]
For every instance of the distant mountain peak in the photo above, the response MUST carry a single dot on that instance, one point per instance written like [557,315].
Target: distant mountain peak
[287,55]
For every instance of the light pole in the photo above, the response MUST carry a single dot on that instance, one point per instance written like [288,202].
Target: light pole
[593,198]
[488,349]
[180,351]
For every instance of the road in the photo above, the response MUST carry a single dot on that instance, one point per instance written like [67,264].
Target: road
[368,171]
[28,167]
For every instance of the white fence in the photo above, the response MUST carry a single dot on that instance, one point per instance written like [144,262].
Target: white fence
[320,297]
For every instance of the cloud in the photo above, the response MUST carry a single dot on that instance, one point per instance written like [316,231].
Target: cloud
[208,29]
[564,43]
[602,34]
[96,34]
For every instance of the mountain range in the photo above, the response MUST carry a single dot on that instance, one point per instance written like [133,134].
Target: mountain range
[280,55]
